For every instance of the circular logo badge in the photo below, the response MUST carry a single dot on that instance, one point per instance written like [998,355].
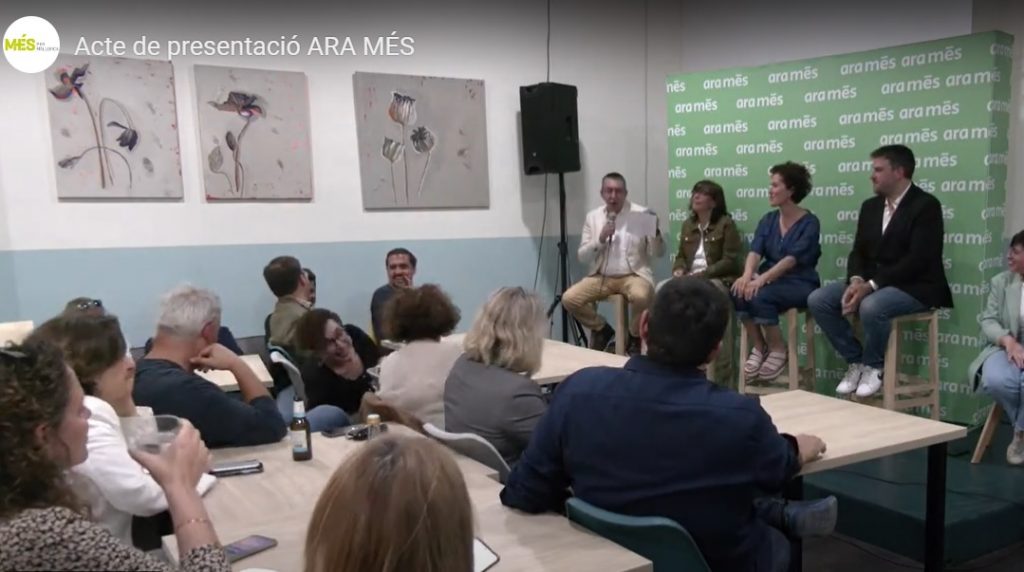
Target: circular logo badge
[31,44]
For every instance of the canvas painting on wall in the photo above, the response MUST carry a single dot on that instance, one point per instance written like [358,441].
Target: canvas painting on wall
[114,128]
[422,141]
[254,134]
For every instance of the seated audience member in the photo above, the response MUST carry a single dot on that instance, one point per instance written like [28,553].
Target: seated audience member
[895,268]
[672,444]
[489,391]
[780,270]
[165,379]
[413,377]
[290,283]
[94,307]
[398,503]
[115,485]
[43,524]
[401,268]
[339,354]
[619,260]
[1000,366]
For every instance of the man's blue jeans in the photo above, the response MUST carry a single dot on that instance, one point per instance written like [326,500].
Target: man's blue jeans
[876,313]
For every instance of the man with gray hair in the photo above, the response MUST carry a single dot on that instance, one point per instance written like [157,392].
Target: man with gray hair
[165,379]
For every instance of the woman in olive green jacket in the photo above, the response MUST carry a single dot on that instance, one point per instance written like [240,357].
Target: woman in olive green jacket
[709,246]
[1000,366]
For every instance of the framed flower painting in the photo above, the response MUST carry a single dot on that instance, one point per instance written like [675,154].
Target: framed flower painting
[114,128]
[254,134]
[422,141]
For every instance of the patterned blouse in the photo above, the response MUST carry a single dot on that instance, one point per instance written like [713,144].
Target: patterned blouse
[58,538]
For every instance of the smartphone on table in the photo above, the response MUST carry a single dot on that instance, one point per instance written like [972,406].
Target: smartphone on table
[248,546]
[232,468]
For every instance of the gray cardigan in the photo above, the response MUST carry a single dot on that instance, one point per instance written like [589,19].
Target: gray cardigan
[497,404]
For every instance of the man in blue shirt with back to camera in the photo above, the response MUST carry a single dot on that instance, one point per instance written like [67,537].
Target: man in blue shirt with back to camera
[656,438]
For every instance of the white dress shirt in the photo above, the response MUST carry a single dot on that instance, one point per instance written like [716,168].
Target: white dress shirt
[891,206]
[115,485]
[617,263]
[887,213]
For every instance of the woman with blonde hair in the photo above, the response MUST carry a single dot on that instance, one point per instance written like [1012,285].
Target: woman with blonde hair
[399,503]
[489,391]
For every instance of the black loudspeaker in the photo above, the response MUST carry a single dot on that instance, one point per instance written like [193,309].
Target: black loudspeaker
[551,137]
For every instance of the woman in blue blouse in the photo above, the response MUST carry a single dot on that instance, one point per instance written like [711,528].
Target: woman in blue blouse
[779,272]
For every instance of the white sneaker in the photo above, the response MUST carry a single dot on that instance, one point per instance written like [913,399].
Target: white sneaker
[1015,452]
[870,382]
[851,380]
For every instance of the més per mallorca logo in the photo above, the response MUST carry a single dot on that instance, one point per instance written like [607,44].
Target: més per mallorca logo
[31,44]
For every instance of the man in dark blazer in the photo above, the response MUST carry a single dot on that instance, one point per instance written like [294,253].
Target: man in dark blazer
[895,269]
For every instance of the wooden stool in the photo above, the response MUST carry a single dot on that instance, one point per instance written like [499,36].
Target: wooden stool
[985,439]
[621,322]
[919,391]
[794,375]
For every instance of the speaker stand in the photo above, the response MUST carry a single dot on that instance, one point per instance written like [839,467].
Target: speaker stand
[562,280]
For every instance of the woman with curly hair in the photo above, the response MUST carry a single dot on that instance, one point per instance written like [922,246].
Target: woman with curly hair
[413,377]
[43,432]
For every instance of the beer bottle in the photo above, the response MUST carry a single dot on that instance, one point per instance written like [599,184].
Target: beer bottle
[302,445]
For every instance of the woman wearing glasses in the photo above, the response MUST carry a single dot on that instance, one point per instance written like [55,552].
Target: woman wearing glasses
[341,355]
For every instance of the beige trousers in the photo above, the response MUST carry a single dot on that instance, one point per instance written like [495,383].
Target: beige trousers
[581,298]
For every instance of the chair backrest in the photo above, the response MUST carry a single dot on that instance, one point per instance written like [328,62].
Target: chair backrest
[15,332]
[281,357]
[473,446]
[660,540]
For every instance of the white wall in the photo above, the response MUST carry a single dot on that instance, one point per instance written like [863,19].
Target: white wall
[503,43]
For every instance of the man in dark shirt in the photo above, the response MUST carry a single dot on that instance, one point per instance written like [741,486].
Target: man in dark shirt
[401,268]
[165,379]
[656,438]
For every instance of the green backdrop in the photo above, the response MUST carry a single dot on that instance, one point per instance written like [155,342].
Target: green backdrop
[948,100]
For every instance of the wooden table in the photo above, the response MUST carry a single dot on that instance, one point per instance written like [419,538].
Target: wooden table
[226,380]
[15,332]
[854,432]
[278,503]
[560,360]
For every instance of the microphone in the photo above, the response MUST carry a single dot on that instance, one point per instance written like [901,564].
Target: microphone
[610,217]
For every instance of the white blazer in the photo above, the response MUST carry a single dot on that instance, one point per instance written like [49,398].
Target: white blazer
[639,249]
[116,486]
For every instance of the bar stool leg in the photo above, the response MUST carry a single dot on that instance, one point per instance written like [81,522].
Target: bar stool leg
[933,364]
[891,367]
[792,341]
[742,374]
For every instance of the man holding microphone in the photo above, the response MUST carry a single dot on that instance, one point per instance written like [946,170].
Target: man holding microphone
[618,242]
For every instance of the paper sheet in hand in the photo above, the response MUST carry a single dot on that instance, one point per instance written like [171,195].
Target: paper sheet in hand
[483,557]
[643,224]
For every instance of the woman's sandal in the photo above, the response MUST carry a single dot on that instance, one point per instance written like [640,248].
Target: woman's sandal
[773,366]
[753,363]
